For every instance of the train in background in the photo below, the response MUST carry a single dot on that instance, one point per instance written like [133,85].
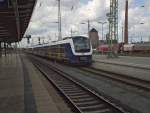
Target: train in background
[142,49]
[75,50]
[126,49]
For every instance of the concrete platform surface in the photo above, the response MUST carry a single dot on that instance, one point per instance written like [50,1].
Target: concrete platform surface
[143,62]
[140,73]
[21,89]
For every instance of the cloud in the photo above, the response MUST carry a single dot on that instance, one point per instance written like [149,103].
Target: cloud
[43,22]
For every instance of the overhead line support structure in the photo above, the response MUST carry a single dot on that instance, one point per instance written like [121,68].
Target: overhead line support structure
[113,24]
[113,20]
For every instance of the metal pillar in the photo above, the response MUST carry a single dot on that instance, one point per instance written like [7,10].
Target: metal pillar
[15,7]
[5,48]
[0,49]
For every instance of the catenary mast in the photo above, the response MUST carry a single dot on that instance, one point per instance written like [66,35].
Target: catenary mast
[113,25]
[113,20]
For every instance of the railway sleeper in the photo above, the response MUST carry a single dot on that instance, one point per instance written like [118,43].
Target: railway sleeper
[86,104]
[100,107]
[88,100]
[77,94]
[80,96]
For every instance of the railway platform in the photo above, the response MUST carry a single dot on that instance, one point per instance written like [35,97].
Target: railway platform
[125,60]
[21,89]
[137,67]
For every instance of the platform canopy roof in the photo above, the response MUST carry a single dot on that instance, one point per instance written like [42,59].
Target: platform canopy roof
[15,16]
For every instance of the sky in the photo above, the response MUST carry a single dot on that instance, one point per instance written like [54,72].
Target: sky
[74,12]
[85,1]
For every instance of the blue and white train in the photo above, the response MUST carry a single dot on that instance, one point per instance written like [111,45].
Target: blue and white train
[75,50]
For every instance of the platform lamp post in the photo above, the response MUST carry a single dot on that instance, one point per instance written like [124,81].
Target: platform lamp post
[83,23]
[102,23]
[72,32]
[88,27]
[141,33]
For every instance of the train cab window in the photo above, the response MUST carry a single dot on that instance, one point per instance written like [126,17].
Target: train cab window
[81,44]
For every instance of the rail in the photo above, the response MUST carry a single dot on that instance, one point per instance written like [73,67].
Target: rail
[132,81]
[82,99]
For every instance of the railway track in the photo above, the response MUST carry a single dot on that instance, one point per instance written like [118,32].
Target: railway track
[132,81]
[82,99]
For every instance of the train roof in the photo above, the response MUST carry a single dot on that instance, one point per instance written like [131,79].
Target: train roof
[65,40]
[73,37]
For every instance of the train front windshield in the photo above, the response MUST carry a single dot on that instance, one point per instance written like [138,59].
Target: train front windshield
[81,44]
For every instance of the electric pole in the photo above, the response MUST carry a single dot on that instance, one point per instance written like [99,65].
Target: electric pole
[122,33]
[89,28]
[71,32]
[59,21]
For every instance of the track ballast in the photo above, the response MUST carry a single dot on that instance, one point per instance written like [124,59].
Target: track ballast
[82,99]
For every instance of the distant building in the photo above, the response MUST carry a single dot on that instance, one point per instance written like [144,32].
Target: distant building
[93,34]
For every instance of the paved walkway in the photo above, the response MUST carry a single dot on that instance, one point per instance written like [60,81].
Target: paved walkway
[11,85]
[21,89]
